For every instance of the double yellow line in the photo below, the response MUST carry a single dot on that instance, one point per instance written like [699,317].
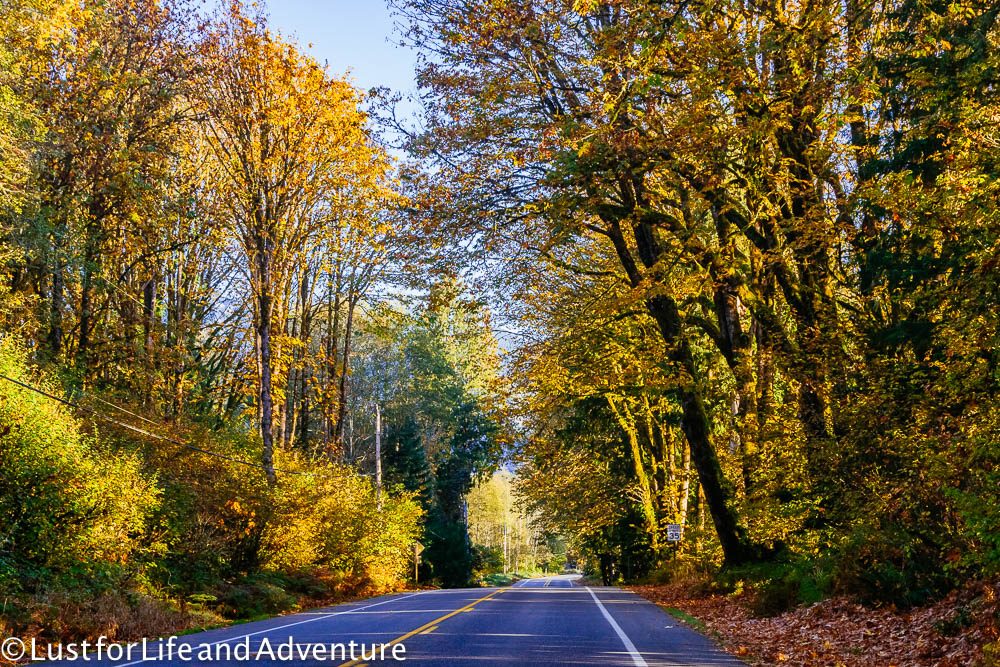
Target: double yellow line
[426,626]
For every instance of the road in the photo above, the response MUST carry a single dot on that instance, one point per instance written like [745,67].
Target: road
[548,621]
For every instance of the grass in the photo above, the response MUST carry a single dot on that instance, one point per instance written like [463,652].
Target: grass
[497,579]
[686,618]
[224,624]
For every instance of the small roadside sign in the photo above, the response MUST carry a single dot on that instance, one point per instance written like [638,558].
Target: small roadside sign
[417,548]
[673,532]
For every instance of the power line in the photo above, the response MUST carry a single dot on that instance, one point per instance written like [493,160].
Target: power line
[166,439]
[119,408]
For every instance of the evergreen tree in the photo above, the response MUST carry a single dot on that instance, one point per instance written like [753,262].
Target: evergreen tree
[405,461]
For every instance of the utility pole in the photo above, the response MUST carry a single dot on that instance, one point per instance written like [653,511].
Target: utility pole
[517,551]
[505,546]
[378,457]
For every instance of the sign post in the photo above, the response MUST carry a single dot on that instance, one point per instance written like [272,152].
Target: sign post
[674,535]
[417,548]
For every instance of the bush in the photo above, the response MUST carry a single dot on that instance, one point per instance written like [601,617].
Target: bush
[776,586]
[68,507]
[890,565]
[97,527]
[222,521]
[776,596]
[337,523]
[259,595]
[59,615]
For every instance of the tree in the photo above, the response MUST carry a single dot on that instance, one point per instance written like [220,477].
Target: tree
[107,84]
[536,158]
[405,461]
[17,121]
[435,372]
[282,133]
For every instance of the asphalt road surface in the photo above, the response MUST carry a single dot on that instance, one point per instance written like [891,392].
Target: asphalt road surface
[549,621]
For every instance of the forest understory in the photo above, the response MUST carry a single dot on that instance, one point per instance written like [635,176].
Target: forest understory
[960,630]
[60,617]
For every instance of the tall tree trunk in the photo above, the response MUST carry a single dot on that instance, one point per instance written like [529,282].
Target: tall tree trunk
[810,298]
[92,242]
[148,313]
[182,337]
[735,345]
[345,369]
[627,422]
[685,487]
[657,452]
[669,455]
[265,401]
[333,326]
[697,429]
[305,333]
[286,407]
[663,309]
[700,499]
[86,313]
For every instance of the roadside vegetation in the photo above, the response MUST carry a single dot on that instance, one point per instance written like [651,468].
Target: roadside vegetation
[211,302]
[105,534]
[752,251]
[510,544]
[724,267]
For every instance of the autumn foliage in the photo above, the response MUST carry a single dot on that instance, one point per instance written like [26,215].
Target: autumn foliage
[745,259]
[756,265]
[212,306]
[196,226]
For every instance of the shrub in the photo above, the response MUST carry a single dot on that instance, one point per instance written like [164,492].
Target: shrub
[58,615]
[258,595]
[776,596]
[890,565]
[356,537]
[776,586]
[98,528]
[222,521]
[67,506]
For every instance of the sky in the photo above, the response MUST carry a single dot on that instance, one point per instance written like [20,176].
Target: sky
[356,36]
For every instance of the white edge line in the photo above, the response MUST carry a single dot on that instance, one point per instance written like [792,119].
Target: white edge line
[637,659]
[282,627]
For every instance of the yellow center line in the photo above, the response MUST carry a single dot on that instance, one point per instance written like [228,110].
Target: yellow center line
[427,626]
[427,631]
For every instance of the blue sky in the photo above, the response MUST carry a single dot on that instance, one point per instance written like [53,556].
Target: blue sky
[356,36]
